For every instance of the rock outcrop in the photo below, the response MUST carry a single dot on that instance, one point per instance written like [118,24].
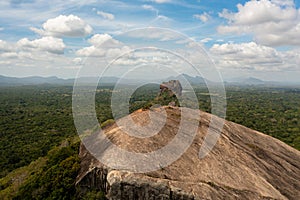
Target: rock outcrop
[244,164]
[172,87]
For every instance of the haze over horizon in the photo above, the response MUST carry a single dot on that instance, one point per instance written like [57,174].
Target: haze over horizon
[258,39]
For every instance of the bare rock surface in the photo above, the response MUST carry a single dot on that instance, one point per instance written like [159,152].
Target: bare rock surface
[172,86]
[244,164]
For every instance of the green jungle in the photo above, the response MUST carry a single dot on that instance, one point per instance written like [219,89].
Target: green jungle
[39,143]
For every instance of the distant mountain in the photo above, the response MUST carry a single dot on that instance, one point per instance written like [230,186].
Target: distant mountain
[111,80]
[38,80]
[95,80]
[246,81]
[31,80]
[251,81]
[53,80]
[196,80]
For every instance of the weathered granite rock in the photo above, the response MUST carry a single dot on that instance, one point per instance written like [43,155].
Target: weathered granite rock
[172,87]
[244,164]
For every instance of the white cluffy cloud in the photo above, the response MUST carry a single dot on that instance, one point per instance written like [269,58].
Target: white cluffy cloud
[106,15]
[48,44]
[103,45]
[203,17]
[272,22]
[65,26]
[43,45]
[34,56]
[252,56]
[5,46]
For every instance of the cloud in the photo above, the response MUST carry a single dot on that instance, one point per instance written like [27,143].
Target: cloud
[43,45]
[292,59]
[148,7]
[65,26]
[247,56]
[38,56]
[283,2]
[203,17]
[10,55]
[49,44]
[103,45]
[99,39]
[154,34]
[90,51]
[16,2]
[106,15]
[139,58]
[5,46]
[161,1]
[205,40]
[272,22]
[163,18]
[151,8]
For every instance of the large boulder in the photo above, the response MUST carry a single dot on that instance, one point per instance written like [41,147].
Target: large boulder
[172,87]
[244,164]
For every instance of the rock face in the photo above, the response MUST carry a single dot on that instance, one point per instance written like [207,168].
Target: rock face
[244,164]
[172,86]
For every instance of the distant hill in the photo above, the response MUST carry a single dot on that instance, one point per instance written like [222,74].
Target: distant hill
[193,80]
[252,81]
[53,80]
[111,80]
[246,81]
[32,80]
[38,80]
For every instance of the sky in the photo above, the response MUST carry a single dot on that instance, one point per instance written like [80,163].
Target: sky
[255,38]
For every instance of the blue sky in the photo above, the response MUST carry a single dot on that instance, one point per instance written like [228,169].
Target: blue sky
[259,38]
